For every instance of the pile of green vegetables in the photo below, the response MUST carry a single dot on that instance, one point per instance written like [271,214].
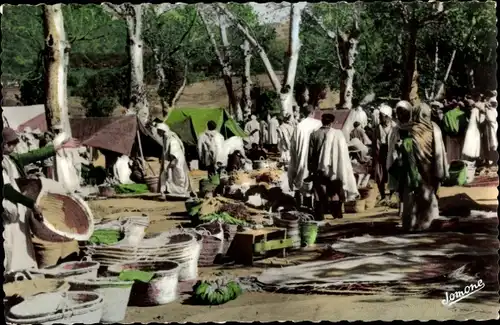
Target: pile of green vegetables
[136,275]
[216,292]
[131,189]
[106,237]
[223,217]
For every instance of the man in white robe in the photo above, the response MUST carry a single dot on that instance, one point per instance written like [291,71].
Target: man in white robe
[211,148]
[285,132]
[273,131]
[299,150]
[490,127]
[174,174]
[264,133]
[252,128]
[336,164]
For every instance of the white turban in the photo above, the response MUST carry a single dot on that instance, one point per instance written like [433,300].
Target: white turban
[253,117]
[404,104]
[386,110]
[163,127]
[437,104]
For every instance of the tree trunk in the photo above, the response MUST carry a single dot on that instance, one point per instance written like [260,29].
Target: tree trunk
[286,93]
[224,61]
[470,77]
[228,75]
[262,53]
[138,100]
[160,74]
[436,70]
[410,77]
[56,95]
[347,47]
[414,98]
[56,61]
[441,91]
[246,81]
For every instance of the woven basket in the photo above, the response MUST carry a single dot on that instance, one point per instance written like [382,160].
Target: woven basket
[106,191]
[162,289]
[364,192]
[371,199]
[357,206]
[28,288]
[66,217]
[229,233]
[153,183]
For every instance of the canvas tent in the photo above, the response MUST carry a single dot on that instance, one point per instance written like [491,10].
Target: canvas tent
[341,116]
[20,117]
[189,123]
[117,134]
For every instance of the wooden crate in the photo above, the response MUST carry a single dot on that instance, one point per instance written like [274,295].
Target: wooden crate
[249,245]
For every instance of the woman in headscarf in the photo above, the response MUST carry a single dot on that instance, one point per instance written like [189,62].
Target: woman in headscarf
[381,147]
[419,165]
[174,174]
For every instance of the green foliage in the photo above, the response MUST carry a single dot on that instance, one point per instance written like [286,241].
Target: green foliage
[22,40]
[98,48]
[32,89]
[104,91]
[268,102]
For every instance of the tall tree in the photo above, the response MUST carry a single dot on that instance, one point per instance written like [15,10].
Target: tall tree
[345,43]
[223,53]
[56,62]
[286,88]
[171,37]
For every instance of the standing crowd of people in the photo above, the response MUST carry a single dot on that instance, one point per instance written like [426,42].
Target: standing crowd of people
[405,153]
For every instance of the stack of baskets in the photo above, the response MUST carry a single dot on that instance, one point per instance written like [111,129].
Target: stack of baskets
[182,248]
[212,242]
[162,288]
[90,299]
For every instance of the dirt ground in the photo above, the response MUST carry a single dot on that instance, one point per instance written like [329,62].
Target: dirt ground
[296,307]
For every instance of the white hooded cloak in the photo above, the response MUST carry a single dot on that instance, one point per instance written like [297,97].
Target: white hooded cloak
[175,172]
[273,130]
[299,150]
[210,147]
[252,128]
[334,161]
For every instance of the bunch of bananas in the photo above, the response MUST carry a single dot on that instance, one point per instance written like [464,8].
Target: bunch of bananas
[223,217]
[216,292]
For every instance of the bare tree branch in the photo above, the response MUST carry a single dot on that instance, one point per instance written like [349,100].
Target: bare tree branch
[181,89]
[186,33]
[245,30]
[116,11]
[320,23]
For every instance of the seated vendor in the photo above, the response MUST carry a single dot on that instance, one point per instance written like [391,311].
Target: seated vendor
[256,153]
[234,162]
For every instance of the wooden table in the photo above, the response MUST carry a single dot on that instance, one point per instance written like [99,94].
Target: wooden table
[251,244]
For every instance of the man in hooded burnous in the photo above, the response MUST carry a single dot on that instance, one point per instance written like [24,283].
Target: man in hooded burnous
[252,128]
[210,148]
[174,173]
[380,149]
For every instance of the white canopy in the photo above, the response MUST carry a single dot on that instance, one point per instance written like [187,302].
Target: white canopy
[17,115]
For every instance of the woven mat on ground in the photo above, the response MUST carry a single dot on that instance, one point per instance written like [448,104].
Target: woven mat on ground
[428,261]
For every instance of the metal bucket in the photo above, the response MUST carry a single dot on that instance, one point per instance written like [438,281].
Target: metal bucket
[152,182]
[292,229]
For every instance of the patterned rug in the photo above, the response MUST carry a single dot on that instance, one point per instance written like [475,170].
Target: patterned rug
[420,264]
